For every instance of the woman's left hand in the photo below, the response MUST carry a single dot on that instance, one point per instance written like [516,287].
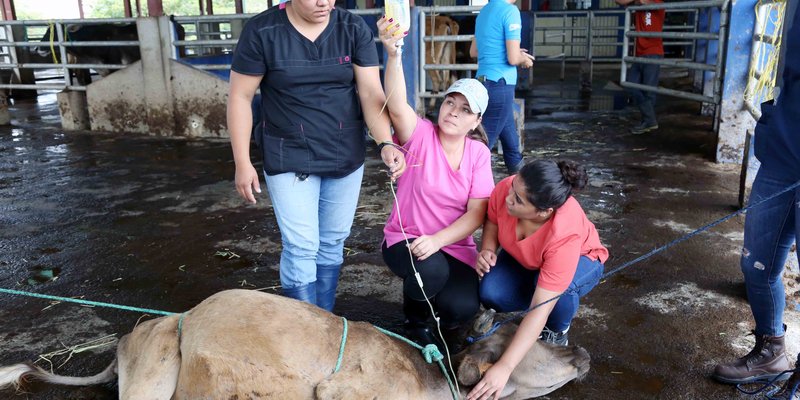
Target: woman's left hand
[395,160]
[491,385]
[424,246]
[389,33]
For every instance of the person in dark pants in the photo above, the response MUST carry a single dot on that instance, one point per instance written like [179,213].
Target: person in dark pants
[537,245]
[497,47]
[441,201]
[646,74]
[771,228]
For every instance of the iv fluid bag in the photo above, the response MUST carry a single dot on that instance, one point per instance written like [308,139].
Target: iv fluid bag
[400,12]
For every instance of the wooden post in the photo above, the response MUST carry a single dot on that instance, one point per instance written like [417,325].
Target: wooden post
[209,7]
[200,5]
[239,6]
[155,8]
[80,9]
[128,11]
[138,8]
[9,14]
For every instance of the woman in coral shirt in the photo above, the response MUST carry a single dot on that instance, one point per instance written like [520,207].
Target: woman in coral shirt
[549,248]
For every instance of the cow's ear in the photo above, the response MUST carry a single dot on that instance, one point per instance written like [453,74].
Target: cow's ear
[468,372]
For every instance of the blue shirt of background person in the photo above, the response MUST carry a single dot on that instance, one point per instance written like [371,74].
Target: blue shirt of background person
[497,22]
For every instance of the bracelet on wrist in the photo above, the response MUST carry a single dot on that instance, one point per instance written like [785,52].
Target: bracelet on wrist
[385,143]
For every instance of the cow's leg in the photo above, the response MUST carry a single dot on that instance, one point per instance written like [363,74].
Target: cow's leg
[149,360]
[83,76]
[448,57]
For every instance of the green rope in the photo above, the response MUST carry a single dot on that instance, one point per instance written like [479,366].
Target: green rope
[180,325]
[341,347]
[430,353]
[86,302]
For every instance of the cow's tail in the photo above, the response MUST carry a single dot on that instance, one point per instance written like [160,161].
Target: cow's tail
[19,375]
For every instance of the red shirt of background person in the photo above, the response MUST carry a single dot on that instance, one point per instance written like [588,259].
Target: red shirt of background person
[649,21]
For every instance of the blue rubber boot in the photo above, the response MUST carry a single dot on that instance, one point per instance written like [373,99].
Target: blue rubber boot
[306,293]
[327,280]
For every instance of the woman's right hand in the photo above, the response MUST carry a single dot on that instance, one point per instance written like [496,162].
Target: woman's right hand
[247,181]
[485,262]
[389,33]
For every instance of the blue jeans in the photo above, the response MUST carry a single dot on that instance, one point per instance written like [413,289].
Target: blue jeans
[498,120]
[314,216]
[645,74]
[509,287]
[769,231]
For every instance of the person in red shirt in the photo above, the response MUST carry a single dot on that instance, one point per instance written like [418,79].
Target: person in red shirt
[646,74]
[549,248]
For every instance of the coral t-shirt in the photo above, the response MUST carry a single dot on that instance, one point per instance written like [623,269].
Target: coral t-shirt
[649,21]
[555,248]
[432,196]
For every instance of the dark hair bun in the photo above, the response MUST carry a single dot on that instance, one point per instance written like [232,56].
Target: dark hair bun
[574,174]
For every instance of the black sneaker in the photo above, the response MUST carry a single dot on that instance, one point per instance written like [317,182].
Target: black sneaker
[643,128]
[556,338]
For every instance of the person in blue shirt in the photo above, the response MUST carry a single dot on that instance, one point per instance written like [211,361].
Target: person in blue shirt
[497,47]
[771,228]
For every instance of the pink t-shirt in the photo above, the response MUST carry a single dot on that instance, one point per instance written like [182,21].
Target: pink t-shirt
[432,196]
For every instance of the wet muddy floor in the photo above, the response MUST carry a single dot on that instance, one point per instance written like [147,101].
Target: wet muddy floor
[156,223]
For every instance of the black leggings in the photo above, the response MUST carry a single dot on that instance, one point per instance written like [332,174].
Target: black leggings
[451,285]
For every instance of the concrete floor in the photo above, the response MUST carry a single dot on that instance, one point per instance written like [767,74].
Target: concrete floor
[156,223]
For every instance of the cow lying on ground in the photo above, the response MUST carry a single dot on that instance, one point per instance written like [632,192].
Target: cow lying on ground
[241,344]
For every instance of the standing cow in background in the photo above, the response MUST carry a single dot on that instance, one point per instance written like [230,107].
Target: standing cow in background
[97,54]
[440,52]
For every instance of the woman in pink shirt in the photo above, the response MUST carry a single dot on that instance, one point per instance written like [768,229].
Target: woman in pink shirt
[549,248]
[441,200]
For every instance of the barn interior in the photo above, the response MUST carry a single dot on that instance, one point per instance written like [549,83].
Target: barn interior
[105,198]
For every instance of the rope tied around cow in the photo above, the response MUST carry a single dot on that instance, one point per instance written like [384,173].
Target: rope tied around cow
[430,353]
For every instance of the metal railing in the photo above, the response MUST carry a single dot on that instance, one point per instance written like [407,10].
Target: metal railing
[60,44]
[424,67]
[225,46]
[720,36]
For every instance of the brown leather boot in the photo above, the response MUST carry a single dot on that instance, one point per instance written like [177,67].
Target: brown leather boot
[766,361]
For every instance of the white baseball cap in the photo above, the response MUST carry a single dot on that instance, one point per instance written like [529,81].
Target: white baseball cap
[474,91]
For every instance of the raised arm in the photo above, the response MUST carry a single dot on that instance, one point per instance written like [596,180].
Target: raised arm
[372,98]
[240,124]
[404,119]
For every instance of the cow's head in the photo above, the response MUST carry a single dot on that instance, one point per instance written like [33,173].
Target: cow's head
[544,369]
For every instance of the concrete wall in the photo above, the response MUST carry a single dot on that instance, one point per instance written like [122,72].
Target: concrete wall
[195,108]
[158,95]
